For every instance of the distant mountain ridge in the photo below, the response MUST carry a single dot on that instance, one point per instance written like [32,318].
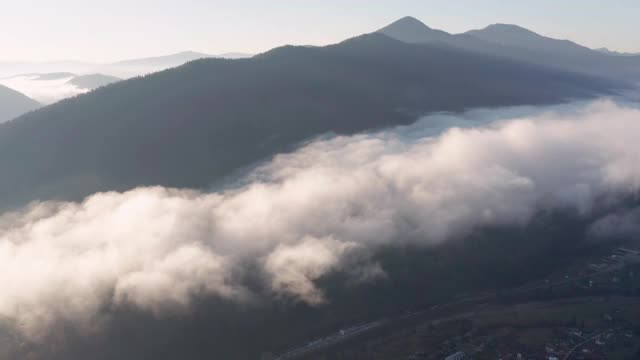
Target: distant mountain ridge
[517,36]
[14,104]
[605,50]
[412,30]
[181,57]
[51,87]
[121,69]
[93,81]
[520,44]
[54,76]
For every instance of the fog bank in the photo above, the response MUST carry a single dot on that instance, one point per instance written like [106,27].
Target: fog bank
[309,213]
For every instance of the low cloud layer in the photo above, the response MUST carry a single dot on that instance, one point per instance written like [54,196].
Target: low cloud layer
[307,214]
[623,224]
[44,91]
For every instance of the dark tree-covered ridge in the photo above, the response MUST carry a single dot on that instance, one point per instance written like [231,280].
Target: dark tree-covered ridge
[188,126]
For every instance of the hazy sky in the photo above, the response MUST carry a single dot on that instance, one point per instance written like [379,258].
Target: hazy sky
[106,30]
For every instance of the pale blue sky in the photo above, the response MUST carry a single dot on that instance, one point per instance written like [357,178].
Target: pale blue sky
[107,30]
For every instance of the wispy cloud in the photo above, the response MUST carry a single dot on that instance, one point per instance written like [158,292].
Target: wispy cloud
[43,91]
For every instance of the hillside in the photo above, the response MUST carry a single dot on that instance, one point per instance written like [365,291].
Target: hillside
[615,53]
[93,81]
[14,104]
[189,126]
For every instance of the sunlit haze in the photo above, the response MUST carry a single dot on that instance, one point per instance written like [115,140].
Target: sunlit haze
[102,31]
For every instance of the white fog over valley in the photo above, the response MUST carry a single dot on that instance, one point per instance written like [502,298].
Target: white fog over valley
[45,91]
[318,180]
[157,248]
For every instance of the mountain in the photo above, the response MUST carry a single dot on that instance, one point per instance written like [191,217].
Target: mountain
[192,125]
[519,44]
[412,30]
[519,37]
[136,67]
[8,69]
[604,50]
[14,104]
[49,88]
[120,69]
[93,81]
[167,60]
[54,76]
[234,55]
[143,66]
[525,45]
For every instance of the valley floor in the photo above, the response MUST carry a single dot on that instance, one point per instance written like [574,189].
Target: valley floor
[588,311]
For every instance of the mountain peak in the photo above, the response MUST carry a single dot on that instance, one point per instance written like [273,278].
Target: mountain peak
[507,34]
[517,36]
[407,23]
[410,21]
[412,30]
[509,28]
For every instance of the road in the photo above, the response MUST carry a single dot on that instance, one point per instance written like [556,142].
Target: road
[584,343]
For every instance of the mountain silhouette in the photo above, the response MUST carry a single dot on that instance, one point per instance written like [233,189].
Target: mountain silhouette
[121,69]
[54,76]
[412,30]
[93,81]
[604,50]
[519,44]
[167,60]
[13,104]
